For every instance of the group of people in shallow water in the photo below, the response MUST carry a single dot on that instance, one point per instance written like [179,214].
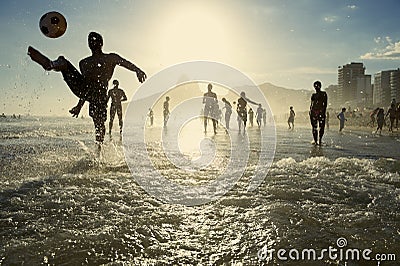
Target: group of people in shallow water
[3,115]
[319,115]
[213,112]
[91,84]
[379,116]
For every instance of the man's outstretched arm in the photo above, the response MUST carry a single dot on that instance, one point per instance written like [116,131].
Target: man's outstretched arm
[250,101]
[128,65]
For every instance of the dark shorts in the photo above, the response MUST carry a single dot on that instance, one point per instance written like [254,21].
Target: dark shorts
[243,115]
[115,109]
[317,118]
[210,112]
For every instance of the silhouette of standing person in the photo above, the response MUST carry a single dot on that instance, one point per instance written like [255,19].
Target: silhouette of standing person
[342,119]
[372,116]
[90,84]
[259,115]
[166,110]
[392,115]
[151,116]
[242,110]
[210,108]
[117,96]
[319,102]
[228,112]
[251,117]
[264,116]
[380,119]
[290,121]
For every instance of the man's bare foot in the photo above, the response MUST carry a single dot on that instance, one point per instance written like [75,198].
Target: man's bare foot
[59,64]
[56,65]
[39,58]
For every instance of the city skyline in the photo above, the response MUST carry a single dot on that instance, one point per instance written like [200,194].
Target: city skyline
[286,43]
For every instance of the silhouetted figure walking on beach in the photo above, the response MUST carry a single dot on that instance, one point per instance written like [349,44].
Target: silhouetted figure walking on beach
[264,116]
[392,115]
[228,112]
[210,108]
[91,83]
[242,110]
[251,116]
[117,96]
[319,102]
[372,117]
[166,110]
[290,121]
[259,115]
[342,119]
[380,119]
[151,116]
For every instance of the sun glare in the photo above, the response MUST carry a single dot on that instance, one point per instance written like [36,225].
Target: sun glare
[196,32]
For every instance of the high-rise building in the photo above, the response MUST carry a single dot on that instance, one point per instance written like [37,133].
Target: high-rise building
[348,77]
[382,88]
[395,85]
[364,91]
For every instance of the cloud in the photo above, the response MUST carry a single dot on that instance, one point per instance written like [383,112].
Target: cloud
[352,7]
[378,40]
[390,52]
[389,40]
[330,19]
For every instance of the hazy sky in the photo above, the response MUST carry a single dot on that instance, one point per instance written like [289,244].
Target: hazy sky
[287,43]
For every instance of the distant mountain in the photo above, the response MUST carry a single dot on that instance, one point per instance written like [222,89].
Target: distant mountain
[280,99]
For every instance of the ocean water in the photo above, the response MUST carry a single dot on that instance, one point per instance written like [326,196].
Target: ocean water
[64,203]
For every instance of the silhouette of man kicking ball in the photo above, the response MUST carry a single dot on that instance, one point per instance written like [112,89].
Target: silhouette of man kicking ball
[90,84]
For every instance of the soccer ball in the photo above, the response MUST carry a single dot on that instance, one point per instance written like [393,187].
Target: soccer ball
[53,24]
